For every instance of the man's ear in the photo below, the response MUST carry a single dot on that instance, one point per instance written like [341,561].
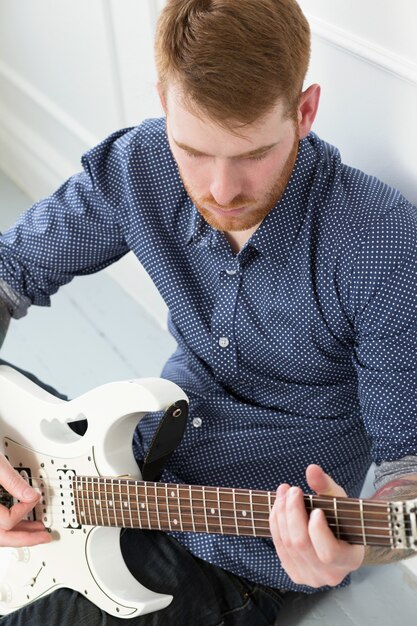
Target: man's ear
[161,95]
[307,109]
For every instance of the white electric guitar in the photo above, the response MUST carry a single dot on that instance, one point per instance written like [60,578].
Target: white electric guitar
[90,488]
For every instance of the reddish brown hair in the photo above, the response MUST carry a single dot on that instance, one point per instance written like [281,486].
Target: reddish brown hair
[233,59]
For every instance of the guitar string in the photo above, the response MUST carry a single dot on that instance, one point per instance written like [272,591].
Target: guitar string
[230,521]
[102,481]
[207,504]
[182,511]
[258,509]
[153,521]
[346,533]
[211,490]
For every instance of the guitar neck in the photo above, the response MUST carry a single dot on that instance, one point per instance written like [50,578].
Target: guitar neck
[128,503]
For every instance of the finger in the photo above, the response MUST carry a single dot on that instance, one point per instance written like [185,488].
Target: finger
[26,533]
[15,484]
[300,546]
[30,526]
[292,561]
[280,513]
[277,518]
[17,539]
[10,517]
[322,483]
[329,549]
[279,531]
[324,541]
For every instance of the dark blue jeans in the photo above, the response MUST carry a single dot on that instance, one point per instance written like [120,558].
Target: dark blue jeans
[204,594]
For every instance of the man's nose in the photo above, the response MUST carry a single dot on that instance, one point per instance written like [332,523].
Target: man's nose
[226,184]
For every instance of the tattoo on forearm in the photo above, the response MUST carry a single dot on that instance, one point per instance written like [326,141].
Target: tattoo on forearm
[400,489]
[4,321]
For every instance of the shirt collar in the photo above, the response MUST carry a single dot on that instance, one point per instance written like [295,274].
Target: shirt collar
[276,235]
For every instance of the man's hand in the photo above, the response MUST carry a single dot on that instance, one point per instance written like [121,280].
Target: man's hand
[14,530]
[308,550]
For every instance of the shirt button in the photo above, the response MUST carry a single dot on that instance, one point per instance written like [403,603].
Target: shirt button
[197,421]
[231,272]
[223,342]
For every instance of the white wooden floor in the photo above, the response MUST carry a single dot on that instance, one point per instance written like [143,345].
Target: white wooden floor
[95,333]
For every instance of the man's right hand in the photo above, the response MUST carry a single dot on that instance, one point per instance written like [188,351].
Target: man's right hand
[15,531]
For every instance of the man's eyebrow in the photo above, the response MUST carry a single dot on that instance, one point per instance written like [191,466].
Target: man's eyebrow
[243,155]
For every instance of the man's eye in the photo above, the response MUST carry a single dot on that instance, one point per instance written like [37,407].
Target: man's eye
[259,157]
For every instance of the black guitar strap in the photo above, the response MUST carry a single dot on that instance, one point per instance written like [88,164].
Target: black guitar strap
[166,439]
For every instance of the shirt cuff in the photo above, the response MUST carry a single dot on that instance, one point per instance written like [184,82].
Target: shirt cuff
[17,304]
[391,470]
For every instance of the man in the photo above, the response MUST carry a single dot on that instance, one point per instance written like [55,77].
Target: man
[290,281]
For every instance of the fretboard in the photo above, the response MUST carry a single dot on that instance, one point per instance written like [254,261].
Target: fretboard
[128,503]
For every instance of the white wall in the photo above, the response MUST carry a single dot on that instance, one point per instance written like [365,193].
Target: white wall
[364,55]
[365,58]
[71,72]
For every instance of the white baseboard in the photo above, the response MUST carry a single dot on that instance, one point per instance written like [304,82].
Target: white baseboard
[365,50]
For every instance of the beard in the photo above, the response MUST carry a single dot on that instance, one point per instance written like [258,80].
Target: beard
[256,209]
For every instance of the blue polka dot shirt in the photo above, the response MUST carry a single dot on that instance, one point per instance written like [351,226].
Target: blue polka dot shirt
[301,348]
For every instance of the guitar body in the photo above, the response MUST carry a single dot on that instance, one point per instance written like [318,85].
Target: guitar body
[36,438]
[91,487]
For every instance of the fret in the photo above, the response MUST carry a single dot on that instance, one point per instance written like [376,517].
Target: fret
[106,502]
[82,512]
[100,497]
[93,500]
[162,505]
[146,503]
[76,498]
[205,508]
[122,513]
[234,507]
[129,505]
[362,522]
[179,507]
[337,532]
[252,512]
[155,486]
[139,506]
[168,509]
[219,510]
[112,502]
[175,518]
[191,506]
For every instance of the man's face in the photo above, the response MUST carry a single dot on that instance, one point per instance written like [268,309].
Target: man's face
[234,181]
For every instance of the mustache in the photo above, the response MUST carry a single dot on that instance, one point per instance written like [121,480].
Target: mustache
[236,203]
